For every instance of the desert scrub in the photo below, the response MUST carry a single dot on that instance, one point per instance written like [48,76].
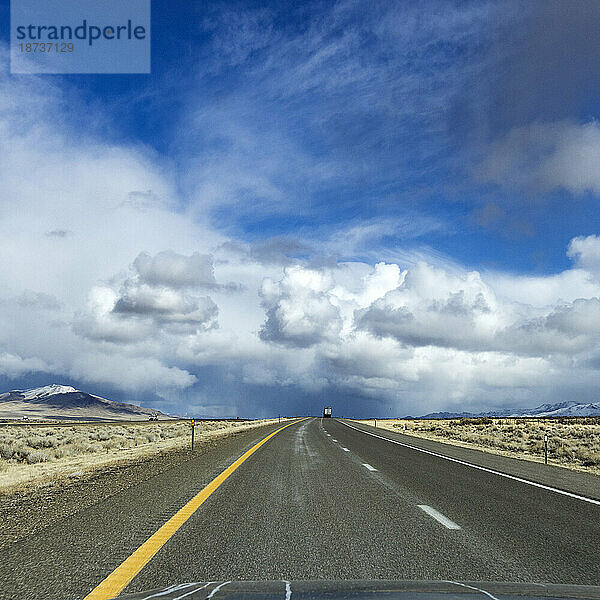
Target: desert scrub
[78,449]
[25,444]
[37,456]
[572,442]
[33,445]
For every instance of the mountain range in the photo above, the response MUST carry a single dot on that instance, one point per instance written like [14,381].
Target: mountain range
[63,402]
[562,409]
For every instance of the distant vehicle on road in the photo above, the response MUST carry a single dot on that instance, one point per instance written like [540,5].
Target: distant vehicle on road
[327,411]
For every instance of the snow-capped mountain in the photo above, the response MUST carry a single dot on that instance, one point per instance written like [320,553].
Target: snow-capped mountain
[562,409]
[43,392]
[65,402]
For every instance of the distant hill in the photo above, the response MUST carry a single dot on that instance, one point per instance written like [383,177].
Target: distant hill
[67,403]
[562,409]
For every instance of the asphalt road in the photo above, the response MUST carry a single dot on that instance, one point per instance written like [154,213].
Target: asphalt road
[321,500]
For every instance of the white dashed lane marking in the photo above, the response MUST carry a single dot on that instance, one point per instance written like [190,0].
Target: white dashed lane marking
[438,516]
[480,468]
[368,466]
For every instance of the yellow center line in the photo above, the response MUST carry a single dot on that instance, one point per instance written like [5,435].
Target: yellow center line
[133,564]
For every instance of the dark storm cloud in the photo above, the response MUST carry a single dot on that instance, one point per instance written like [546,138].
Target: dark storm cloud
[539,62]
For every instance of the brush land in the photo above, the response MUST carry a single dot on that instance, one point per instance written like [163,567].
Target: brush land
[34,455]
[572,442]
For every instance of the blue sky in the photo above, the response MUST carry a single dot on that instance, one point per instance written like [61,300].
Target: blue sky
[397,135]
[294,148]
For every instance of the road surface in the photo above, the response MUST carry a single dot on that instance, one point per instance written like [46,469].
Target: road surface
[327,499]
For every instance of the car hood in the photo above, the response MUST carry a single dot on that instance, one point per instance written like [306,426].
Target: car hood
[366,590]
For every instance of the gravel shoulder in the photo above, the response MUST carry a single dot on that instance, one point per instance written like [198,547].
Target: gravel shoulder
[571,445]
[557,476]
[71,452]
[50,492]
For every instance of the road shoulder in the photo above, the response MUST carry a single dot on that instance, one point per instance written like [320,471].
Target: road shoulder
[575,482]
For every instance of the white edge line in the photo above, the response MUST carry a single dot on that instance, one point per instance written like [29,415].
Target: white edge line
[193,591]
[170,589]
[217,589]
[368,466]
[472,588]
[288,589]
[462,462]
[438,516]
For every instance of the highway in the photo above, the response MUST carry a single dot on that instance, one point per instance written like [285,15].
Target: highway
[324,499]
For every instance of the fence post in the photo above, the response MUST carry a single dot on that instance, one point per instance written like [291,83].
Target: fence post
[193,427]
[546,448]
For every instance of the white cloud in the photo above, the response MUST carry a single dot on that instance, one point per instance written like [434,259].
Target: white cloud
[132,374]
[432,307]
[106,281]
[175,270]
[544,291]
[14,366]
[299,308]
[586,253]
[68,234]
[99,322]
[165,306]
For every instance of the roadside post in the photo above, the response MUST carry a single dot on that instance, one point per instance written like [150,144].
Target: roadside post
[546,448]
[193,433]
[280,418]
[375,422]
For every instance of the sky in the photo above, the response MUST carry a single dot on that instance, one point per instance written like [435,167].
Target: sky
[390,208]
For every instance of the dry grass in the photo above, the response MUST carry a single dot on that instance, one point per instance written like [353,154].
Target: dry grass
[30,455]
[572,442]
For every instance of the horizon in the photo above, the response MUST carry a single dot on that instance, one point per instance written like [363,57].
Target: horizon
[388,209]
[434,415]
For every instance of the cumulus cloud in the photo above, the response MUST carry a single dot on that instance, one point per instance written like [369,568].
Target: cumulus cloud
[586,252]
[299,308]
[433,308]
[415,334]
[99,321]
[139,311]
[90,187]
[166,306]
[426,332]
[579,317]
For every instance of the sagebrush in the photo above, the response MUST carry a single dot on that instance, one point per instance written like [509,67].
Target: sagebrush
[571,441]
